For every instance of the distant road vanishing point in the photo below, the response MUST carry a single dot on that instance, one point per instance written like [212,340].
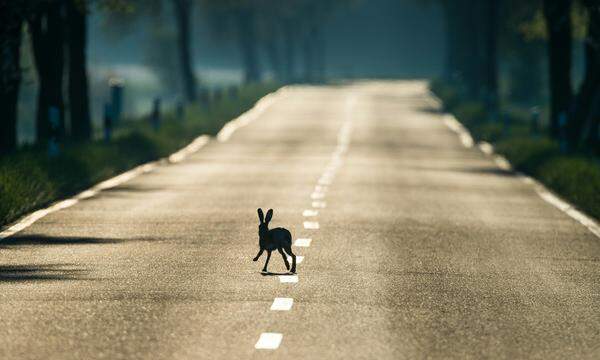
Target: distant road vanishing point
[409,245]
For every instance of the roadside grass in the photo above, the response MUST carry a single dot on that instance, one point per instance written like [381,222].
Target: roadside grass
[29,179]
[575,177]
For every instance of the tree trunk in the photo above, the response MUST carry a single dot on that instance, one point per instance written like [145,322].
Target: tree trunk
[310,44]
[47,39]
[525,71]
[319,55]
[273,55]
[10,74]
[451,30]
[584,102]
[558,19]
[248,42]
[489,66]
[467,47]
[308,52]
[81,126]
[289,36]
[183,11]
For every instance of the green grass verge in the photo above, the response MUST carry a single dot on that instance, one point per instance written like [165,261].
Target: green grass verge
[29,179]
[575,177]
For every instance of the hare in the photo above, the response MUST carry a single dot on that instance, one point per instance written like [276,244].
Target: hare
[278,238]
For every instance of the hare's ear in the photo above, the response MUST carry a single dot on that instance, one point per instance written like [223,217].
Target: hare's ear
[269,215]
[261,217]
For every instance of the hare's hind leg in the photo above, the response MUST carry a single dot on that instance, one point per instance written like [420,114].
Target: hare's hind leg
[288,249]
[267,262]
[285,260]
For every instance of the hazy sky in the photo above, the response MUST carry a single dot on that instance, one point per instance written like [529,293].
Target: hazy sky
[375,38]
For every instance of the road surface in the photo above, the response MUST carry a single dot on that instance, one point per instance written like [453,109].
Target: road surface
[424,249]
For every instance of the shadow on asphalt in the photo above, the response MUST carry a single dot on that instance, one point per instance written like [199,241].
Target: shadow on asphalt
[41,272]
[473,170]
[430,110]
[22,240]
[276,273]
[130,188]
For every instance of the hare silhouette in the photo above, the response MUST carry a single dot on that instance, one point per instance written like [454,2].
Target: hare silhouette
[271,239]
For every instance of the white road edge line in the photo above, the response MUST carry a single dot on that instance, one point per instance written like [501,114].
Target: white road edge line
[242,120]
[282,304]
[247,117]
[540,189]
[268,341]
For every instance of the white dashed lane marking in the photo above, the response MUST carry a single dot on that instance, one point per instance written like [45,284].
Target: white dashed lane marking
[299,259]
[282,304]
[269,341]
[320,188]
[291,279]
[317,196]
[302,242]
[310,213]
[311,225]
[319,204]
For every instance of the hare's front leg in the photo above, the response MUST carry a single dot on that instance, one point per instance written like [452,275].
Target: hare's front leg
[285,260]
[267,262]
[258,255]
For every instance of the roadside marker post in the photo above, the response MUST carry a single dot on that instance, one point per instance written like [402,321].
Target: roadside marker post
[108,122]
[116,98]
[155,117]
[54,119]
[180,111]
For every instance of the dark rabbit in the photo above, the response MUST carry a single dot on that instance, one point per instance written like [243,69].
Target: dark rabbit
[278,238]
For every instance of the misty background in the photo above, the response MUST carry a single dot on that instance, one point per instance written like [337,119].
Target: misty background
[369,39]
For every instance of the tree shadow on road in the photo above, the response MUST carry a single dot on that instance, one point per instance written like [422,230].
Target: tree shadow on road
[41,272]
[131,188]
[35,239]
[430,110]
[485,170]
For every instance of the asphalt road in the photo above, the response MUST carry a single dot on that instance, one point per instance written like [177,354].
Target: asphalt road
[425,249]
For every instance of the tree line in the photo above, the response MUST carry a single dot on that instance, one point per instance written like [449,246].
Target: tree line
[57,32]
[477,31]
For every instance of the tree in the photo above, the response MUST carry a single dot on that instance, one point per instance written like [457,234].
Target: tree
[245,18]
[559,28]
[464,45]
[11,20]
[489,47]
[522,36]
[183,13]
[584,120]
[238,19]
[47,40]
[81,125]
[126,13]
